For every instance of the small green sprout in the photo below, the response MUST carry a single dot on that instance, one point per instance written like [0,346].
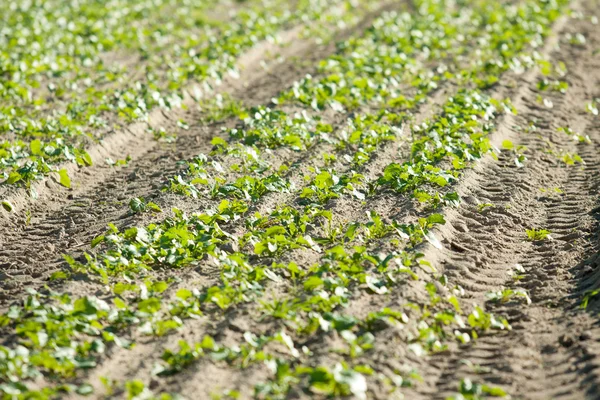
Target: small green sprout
[7,205]
[588,296]
[183,125]
[118,163]
[329,158]
[138,204]
[553,189]
[517,151]
[505,295]
[481,207]
[476,391]
[537,234]
[517,273]
[576,136]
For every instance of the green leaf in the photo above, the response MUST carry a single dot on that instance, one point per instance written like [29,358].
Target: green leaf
[508,145]
[436,219]
[159,286]
[85,159]
[537,234]
[218,141]
[13,178]
[64,178]
[184,294]
[150,306]
[7,205]
[85,389]
[121,287]
[134,388]
[137,204]
[59,275]
[493,391]
[312,283]
[119,303]
[97,240]
[36,147]
[153,207]
[545,67]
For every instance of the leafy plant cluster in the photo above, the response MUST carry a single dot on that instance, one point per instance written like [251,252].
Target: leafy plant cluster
[358,59]
[66,71]
[55,336]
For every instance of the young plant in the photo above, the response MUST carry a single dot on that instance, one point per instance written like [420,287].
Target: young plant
[537,234]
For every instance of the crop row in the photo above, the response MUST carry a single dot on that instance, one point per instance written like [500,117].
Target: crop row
[311,297]
[286,230]
[70,89]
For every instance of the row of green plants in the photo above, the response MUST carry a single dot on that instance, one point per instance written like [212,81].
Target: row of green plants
[366,70]
[314,298]
[344,379]
[70,90]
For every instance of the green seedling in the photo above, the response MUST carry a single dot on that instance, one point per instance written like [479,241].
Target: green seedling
[505,295]
[7,205]
[481,207]
[537,234]
[476,391]
[138,205]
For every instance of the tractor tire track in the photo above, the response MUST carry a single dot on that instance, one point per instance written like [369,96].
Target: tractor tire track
[552,350]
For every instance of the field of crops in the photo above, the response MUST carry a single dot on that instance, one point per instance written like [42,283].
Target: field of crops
[315,199]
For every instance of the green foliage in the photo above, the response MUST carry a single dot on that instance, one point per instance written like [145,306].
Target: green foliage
[476,391]
[175,242]
[505,295]
[7,205]
[138,204]
[588,295]
[52,125]
[460,134]
[537,234]
[326,185]
[57,335]
[576,136]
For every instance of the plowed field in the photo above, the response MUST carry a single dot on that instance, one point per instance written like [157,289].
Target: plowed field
[315,199]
